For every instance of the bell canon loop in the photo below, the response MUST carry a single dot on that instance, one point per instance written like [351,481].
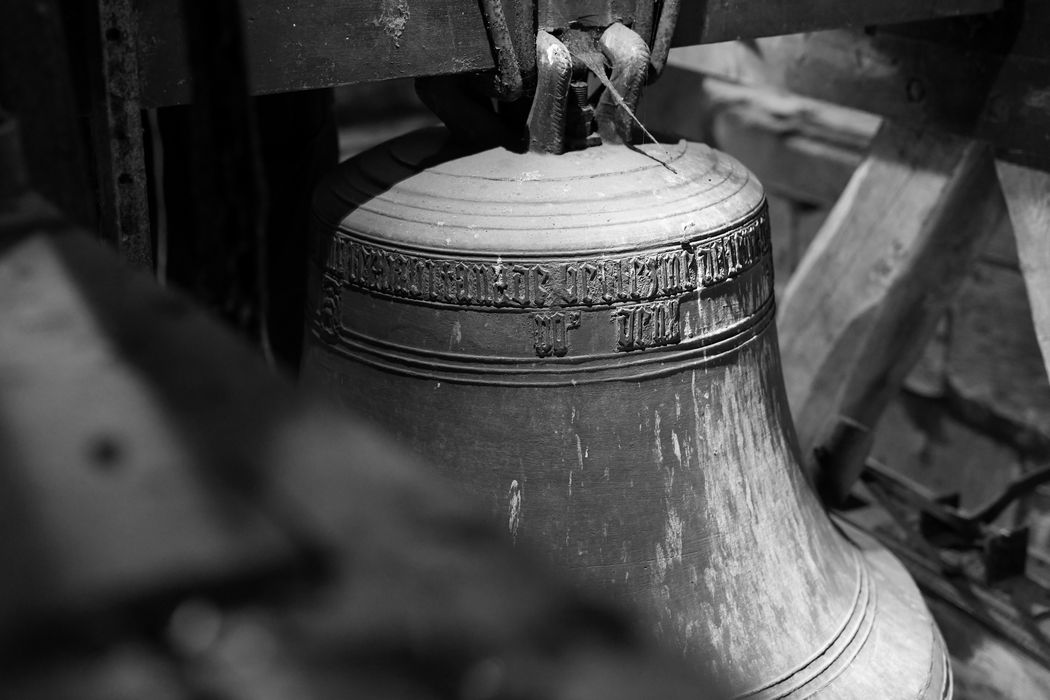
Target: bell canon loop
[586,342]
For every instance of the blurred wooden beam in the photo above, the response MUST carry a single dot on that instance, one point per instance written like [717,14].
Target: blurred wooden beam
[112,35]
[983,78]
[867,294]
[319,43]
[706,22]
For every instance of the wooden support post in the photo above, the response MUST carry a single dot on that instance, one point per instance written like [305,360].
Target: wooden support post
[869,291]
[1027,193]
[117,131]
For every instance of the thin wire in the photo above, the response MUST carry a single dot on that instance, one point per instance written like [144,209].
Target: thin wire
[598,69]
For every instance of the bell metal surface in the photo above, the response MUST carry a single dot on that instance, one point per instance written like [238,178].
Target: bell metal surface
[586,342]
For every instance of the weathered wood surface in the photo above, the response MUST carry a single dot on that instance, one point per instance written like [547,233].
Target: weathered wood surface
[112,34]
[705,22]
[981,78]
[317,43]
[988,366]
[865,298]
[1027,193]
[904,79]
[177,522]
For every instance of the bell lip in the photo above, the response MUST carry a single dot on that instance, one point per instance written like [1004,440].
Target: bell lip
[442,210]
[904,654]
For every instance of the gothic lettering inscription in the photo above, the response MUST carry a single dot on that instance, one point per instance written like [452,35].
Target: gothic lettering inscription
[328,310]
[719,259]
[551,332]
[650,325]
[536,285]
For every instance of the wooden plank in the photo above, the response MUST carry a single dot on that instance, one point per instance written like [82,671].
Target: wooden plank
[705,22]
[116,126]
[1027,193]
[992,368]
[902,79]
[318,43]
[986,90]
[870,289]
[552,14]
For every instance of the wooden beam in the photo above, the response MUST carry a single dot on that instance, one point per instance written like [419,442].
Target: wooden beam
[319,43]
[903,79]
[116,126]
[1027,193]
[705,22]
[990,86]
[868,293]
[38,83]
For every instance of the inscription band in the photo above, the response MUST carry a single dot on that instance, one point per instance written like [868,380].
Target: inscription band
[537,285]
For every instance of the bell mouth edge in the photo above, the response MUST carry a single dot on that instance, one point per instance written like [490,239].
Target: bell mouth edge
[902,615]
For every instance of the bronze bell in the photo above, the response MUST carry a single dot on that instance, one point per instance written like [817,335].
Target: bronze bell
[586,342]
